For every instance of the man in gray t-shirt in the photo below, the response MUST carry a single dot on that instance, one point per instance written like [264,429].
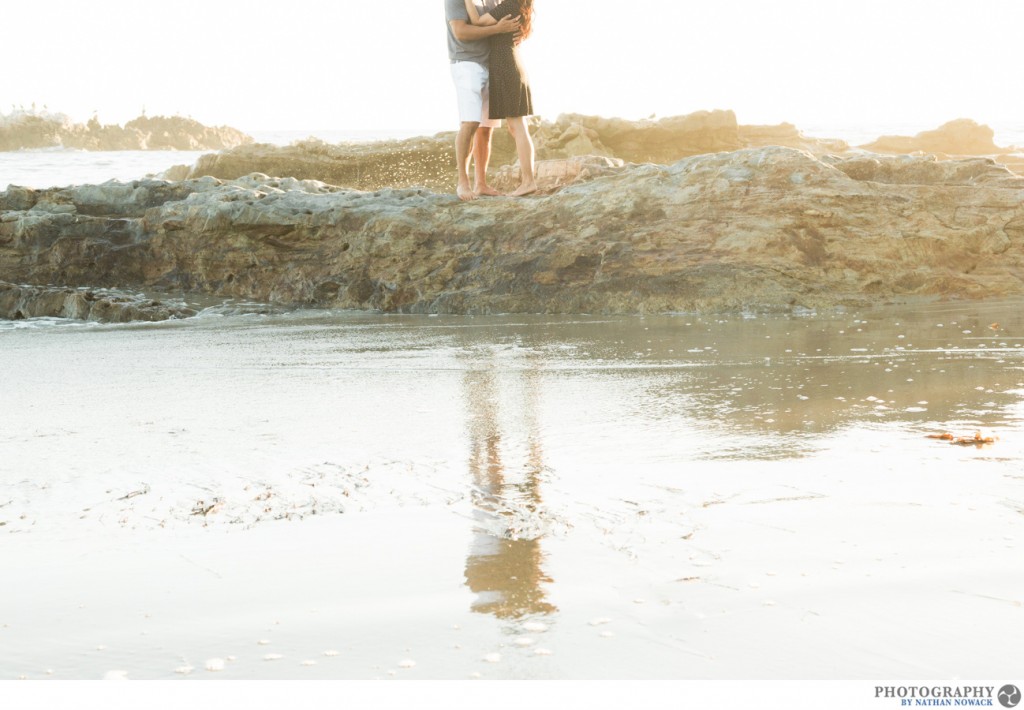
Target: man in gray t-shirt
[468,51]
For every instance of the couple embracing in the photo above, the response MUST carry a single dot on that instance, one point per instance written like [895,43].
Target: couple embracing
[491,85]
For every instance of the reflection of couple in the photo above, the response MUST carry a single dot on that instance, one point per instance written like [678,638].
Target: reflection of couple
[504,566]
[491,85]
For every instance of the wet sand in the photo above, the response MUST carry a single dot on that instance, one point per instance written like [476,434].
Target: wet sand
[317,495]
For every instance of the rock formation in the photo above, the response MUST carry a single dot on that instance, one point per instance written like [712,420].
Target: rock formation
[554,174]
[960,137]
[649,141]
[788,136]
[430,162]
[755,229]
[17,302]
[30,130]
[423,162]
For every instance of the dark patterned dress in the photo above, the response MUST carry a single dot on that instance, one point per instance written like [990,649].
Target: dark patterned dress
[509,87]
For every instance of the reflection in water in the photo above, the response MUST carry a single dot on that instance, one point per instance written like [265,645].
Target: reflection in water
[504,564]
[755,381]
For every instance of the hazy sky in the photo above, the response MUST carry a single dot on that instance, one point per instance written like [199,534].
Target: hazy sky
[355,64]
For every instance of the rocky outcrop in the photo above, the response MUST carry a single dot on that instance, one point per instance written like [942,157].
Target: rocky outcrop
[552,175]
[18,302]
[752,229]
[430,161]
[649,141]
[924,170]
[960,137]
[30,130]
[789,136]
[424,162]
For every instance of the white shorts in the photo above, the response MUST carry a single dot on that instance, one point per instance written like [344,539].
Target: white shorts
[471,91]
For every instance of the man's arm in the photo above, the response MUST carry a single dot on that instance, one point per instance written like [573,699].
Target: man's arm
[465,32]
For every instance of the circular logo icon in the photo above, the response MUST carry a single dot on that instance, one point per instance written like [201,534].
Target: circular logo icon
[1009,696]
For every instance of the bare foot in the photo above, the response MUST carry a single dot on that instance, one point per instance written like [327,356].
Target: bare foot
[486,190]
[527,188]
[465,194]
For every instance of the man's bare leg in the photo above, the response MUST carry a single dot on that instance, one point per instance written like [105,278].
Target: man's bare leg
[463,152]
[524,147]
[481,158]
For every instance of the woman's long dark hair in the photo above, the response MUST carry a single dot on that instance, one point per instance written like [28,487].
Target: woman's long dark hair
[525,20]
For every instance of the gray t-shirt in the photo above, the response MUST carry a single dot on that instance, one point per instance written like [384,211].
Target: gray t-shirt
[475,51]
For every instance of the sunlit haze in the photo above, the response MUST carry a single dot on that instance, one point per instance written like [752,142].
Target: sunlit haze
[309,64]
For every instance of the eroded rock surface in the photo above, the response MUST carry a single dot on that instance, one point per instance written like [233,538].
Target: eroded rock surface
[554,174]
[759,228]
[430,161]
[18,302]
[425,162]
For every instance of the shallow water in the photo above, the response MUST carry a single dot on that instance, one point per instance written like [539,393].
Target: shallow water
[57,167]
[338,495]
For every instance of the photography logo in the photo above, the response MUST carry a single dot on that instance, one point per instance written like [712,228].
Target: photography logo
[917,696]
[1009,696]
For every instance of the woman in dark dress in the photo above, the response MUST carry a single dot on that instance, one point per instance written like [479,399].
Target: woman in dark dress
[509,87]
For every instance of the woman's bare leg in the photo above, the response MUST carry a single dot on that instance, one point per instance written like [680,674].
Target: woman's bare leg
[524,147]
